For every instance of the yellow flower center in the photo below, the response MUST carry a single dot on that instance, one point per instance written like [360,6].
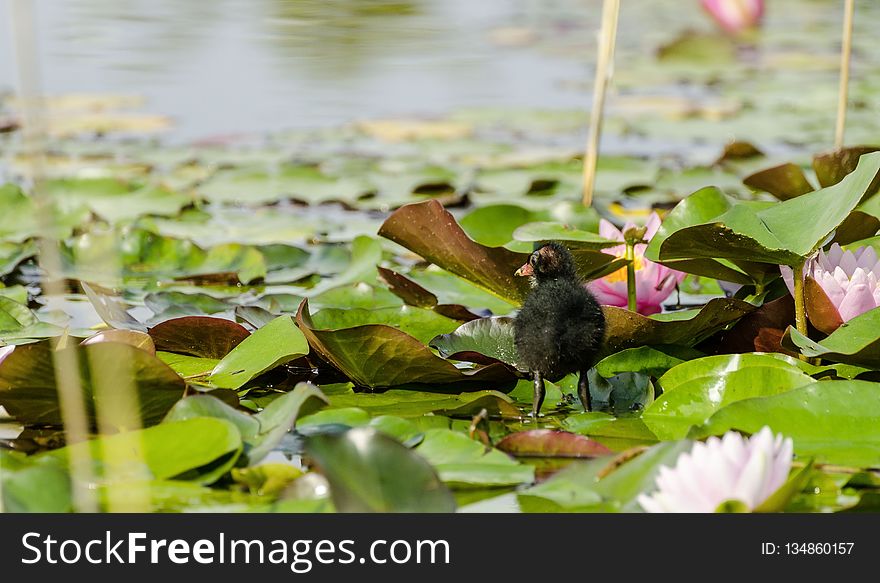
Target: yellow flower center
[620,274]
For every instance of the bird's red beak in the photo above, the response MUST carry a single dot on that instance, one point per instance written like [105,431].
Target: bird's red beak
[525,271]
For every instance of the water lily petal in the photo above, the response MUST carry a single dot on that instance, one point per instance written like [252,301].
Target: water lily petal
[848,263]
[731,468]
[858,300]
[608,231]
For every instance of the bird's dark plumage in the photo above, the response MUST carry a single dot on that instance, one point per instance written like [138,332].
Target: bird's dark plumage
[560,328]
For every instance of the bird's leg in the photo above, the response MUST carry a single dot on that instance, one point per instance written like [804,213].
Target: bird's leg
[538,379]
[584,390]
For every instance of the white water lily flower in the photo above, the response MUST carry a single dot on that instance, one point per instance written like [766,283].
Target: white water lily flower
[721,470]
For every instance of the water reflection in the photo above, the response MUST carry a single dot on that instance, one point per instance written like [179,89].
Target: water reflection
[250,66]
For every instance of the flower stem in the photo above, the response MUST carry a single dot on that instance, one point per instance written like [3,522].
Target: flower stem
[630,276]
[845,54]
[800,304]
[607,38]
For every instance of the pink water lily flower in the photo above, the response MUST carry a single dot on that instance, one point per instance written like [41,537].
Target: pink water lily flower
[654,282]
[720,470]
[735,15]
[849,280]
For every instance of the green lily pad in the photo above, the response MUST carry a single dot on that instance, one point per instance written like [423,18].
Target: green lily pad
[589,487]
[855,342]
[832,421]
[483,341]
[200,450]
[34,484]
[544,232]
[710,225]
[116,200]
[276,343]
[463,462]
[693,391]
[408,403]
[260,432]
[371,472]
[650,360]
[419,323]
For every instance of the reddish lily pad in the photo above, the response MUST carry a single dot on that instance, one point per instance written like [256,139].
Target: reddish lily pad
[761,330]
[413,294]
[379,356]
[784,181]
[551,443]
[626,329]
[201,336]
[831,167]
[429,230]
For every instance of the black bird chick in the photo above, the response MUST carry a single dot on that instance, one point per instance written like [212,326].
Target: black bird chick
[560,328]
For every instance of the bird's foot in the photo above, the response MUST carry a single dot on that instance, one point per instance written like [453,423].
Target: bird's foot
[538,400]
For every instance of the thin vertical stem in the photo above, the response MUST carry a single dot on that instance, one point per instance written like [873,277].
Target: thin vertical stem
[800,304]
[845,57]
[33,135]
[604,64]
[631,300]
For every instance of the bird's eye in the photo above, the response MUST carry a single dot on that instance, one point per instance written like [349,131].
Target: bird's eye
[533,260]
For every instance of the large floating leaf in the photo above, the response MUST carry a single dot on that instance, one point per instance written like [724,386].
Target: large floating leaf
[544,232]
[427,229]
[832,167]
[366,253]
[259,186]
[855,342]
[112,258]
[260,432]
[419,323]
[28,388]
[596,486]
[380,356]
[200,449]
[403,430]
[408,403]
[710,225]
[626,329]
[198,336]
[21,220]
[33,484]
[650,360]
[276,343]
[832,421]
[550,443]
[485,341]
[464,462]
[370,472]
[784,181]
[135,338]
[414,294]
[694,390]
[116,200]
